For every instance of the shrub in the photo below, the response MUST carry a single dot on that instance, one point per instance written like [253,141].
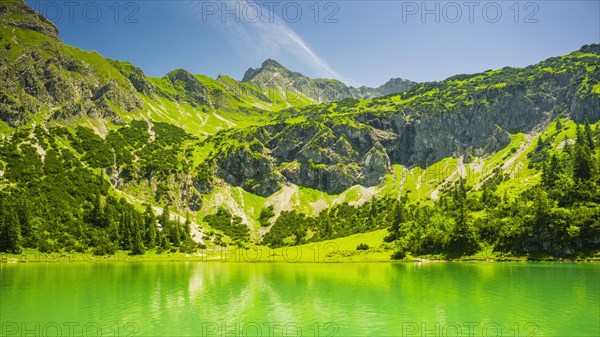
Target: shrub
[362,246]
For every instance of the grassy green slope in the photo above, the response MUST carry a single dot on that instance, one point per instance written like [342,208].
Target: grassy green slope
[232,104]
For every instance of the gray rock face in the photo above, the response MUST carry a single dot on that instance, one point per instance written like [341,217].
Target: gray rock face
[329,157]
[19,14]
[190,197]
[51,79]
[139,81]
[111,91]
[393,86]
[332,154]
[376,164]
[273,76]
[427,138]
[249,166]
[191,89]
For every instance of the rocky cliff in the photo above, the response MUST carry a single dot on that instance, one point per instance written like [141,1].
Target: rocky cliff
[467,115]
[329,146]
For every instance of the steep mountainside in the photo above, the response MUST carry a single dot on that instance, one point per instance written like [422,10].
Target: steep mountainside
[334,146]
[498,160]
[42,78]
[274,77]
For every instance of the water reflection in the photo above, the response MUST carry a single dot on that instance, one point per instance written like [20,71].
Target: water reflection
[362,299]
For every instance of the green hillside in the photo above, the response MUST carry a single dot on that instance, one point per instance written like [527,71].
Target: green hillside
[96,157]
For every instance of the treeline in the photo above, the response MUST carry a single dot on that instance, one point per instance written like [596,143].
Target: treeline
[230,225]
[293,228]
[51,201]
[100,229]
[134,153]
[558,217]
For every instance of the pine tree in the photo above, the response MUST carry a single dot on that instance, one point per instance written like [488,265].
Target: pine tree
[589,140]
[137,245]
[579,139]
[396,223]
[170,230]
[540,144]
[460,194]
[582,163]
[150,227]
[542,207]
[10,230]
[559,124]
[462,238]
[29,232]
[162,240]
[97,216]
[485,195]
[111,220]
[165,217]
[567,148]
[174,233]
[327,228]
[373,208]
[546,175]
[187,228]
[551,172]
[126,230]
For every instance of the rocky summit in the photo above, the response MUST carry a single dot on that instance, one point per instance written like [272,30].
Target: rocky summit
[273,76]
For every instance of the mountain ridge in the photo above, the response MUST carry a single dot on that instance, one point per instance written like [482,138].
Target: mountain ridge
[92,141]
[338,145]
[77,84]
[273,75]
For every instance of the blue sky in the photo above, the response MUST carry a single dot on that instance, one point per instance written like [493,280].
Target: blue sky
[358,42]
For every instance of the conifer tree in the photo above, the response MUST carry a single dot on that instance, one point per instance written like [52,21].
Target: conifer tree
[10,229]
[137,245]
[589,140]
[150,227]
[582,163]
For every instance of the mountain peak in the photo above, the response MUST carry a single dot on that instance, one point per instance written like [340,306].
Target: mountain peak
[271,63]
[268,66]
[19,14]
[590,48]
[272,74]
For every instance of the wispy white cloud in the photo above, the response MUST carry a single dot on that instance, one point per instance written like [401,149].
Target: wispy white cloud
[260,35]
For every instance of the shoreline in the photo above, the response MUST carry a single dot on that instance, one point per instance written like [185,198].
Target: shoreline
[224,256]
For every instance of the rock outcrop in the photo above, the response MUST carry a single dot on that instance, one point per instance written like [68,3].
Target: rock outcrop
[438,121]
[273,76]
[17,13]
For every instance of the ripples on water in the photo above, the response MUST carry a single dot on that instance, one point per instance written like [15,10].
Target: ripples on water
[262,299]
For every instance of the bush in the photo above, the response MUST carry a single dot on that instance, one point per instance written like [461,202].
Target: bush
[398,255]
[266,214]
[362,246]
